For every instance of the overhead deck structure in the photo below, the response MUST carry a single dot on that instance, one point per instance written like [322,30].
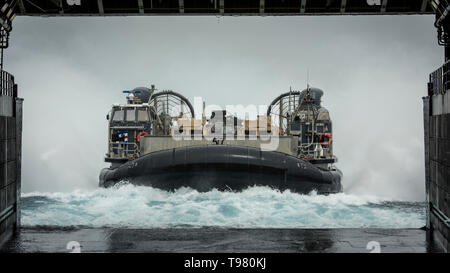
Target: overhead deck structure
[219,7]
[436,103]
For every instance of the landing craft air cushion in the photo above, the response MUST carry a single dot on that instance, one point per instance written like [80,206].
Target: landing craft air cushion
[155,140]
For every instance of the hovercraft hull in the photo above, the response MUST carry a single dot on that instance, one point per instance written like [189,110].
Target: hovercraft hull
[223,167]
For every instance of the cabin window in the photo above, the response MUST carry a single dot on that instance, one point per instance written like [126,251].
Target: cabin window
[131,116]
[319,128]
[118,115]
[142,115]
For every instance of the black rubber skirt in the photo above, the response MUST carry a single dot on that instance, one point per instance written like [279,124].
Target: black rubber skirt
[223,167]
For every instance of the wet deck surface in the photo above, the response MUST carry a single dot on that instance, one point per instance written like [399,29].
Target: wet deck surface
[205,240]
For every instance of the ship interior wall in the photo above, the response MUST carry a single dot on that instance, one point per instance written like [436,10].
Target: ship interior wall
[438,183]
[437,163]
[10,161]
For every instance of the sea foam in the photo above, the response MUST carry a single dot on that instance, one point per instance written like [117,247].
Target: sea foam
[129,206]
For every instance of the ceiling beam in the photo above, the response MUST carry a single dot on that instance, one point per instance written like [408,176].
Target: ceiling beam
[59,4]
[100,7]
[343,5]
[36,6]
[221,7]
[383,6]
[303,6]
[141,6]
[424,5]
[61,9]
[22,7]
[181,5]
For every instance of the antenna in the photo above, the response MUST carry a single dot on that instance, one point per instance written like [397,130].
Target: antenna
[307,78]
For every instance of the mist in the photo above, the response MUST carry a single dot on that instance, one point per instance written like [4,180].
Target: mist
[373,70]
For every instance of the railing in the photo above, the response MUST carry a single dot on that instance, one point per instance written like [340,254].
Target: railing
[439,80]
[309,151]
[7,86]
[123,150]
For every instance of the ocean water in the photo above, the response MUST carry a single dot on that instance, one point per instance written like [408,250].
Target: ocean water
[128,206]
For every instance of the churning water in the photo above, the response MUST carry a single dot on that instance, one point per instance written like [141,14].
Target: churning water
[129,206]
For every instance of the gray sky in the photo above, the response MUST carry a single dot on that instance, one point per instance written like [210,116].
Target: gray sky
[373,70]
